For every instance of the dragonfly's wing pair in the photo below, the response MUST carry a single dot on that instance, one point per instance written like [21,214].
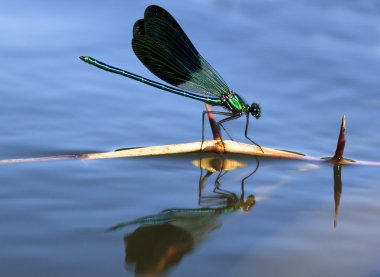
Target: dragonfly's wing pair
[164,48]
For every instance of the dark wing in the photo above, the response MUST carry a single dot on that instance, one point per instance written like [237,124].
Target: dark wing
[164,48]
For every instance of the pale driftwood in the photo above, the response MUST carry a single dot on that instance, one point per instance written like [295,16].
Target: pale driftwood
[210,146]
[193,147]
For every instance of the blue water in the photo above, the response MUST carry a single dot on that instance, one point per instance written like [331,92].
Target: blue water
[306,62]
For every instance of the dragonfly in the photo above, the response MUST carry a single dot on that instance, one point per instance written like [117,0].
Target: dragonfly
[164,48]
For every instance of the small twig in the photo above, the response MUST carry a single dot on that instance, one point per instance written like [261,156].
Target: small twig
[338,157]
[214,127]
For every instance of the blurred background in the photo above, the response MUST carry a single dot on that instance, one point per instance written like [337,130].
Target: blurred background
[306,62]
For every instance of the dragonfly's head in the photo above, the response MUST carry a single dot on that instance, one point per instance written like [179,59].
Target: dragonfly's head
[255,110]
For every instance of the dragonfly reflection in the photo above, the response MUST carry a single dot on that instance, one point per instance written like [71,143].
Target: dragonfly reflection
[222,166]
[161,240]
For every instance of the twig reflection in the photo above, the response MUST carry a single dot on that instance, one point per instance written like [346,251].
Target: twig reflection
[337,190]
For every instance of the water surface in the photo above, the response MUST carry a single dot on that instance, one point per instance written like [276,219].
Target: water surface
[307,63]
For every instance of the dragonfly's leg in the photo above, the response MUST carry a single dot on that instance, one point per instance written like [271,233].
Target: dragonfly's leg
[231,116]
[219,123]
[225,130]
[246,134]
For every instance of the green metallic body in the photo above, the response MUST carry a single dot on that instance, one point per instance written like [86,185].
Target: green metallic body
[235,103]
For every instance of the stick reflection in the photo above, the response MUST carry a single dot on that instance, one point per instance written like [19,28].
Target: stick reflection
[337,190]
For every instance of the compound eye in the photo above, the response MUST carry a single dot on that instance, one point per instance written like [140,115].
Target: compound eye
[255,110]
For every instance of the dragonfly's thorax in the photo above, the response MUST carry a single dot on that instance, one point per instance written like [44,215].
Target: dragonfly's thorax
[234,103]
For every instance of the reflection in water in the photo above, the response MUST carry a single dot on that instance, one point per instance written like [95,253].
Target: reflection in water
[337,190]
[230,199]
[337,186]
[162,240]
[152,249]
